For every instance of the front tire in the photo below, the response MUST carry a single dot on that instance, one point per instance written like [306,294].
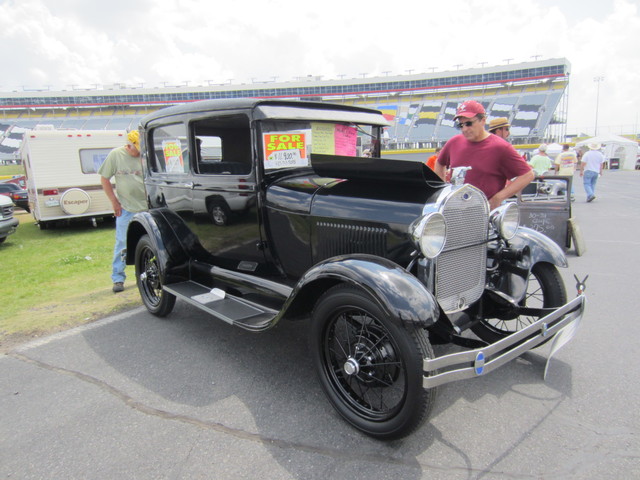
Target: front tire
[148,279]
[369,367]
[545,288]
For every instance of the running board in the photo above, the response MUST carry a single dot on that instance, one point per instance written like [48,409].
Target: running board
[223,306]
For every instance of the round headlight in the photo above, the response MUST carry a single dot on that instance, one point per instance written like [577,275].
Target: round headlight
[506,220]
[430,234]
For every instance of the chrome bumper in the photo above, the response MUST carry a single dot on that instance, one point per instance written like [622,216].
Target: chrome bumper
[561,324]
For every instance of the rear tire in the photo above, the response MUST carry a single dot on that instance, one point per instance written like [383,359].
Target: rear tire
[148,279]
[370,367]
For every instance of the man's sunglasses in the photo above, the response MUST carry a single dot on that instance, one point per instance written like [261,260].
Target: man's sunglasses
[468,123]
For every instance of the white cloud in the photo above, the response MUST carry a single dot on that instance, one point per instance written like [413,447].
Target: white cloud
[75,42]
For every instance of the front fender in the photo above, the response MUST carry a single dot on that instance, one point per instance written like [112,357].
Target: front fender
[172,258]
[514,275]
[402,296]
[541,247]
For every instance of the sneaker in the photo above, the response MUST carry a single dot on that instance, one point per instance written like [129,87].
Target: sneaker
[118,287]
[590,199]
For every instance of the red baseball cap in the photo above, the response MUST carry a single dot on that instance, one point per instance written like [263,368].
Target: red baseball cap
[469,109]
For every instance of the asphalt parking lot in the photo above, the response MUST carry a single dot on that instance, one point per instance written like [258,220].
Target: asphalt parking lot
[186,397]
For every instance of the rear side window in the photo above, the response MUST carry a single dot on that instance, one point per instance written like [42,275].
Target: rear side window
[170,149]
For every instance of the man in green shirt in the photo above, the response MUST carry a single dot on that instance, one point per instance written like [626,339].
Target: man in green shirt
[541,162]
[124,165]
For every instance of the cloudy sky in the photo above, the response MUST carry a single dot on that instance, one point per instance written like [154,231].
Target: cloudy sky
[64,44]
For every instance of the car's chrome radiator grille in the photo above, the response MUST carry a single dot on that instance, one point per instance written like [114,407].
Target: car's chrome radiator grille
[339,239]
[461,268]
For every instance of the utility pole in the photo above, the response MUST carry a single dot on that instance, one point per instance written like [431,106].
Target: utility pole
[597,79]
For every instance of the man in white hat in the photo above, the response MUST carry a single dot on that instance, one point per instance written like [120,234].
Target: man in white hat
[591,169]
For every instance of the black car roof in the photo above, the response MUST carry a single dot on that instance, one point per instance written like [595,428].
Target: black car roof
[245,104]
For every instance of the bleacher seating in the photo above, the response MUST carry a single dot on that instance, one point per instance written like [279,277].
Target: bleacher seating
[429,117]
[420,108]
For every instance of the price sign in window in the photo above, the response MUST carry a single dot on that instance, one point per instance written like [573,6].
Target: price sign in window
[285,150]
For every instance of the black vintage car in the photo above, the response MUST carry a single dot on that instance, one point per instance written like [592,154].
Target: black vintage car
[265,210]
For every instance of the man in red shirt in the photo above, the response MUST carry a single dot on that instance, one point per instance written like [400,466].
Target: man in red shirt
[493,160]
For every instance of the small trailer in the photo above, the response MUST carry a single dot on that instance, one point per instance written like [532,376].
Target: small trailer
[61,168]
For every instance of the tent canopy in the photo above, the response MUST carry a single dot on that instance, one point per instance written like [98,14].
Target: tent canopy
[615,146]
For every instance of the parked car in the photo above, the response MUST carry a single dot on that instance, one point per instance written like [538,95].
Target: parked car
[384,257]
[8,223]
[18,195]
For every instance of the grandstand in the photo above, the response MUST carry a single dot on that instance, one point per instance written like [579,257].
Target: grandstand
[420,108]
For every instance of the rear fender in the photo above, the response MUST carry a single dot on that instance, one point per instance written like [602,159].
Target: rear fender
[400,294]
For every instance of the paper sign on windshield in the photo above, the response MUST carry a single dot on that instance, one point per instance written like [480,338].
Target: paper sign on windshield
[285,150]
[346,140]
[334,139]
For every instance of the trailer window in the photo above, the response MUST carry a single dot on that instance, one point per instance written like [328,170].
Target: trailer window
[92,158]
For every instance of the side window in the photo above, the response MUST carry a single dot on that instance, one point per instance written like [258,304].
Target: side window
[222,151]
[170,149]
[92,158]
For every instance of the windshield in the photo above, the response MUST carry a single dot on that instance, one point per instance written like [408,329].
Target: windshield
[288,144]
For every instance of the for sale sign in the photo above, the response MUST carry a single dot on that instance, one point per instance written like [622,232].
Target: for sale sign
[285,150]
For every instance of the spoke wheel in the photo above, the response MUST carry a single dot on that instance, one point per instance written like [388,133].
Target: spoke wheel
[545,289]
[148,279]
[370,368]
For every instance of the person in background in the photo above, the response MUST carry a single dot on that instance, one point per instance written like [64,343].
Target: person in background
[123,164]
[492,159]
[590,169]
[541,162]
[566,163]
[431,161]
[500,126]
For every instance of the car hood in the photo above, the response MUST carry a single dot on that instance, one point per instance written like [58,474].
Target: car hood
[363,189]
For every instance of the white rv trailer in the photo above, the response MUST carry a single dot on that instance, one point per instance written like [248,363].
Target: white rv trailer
[61,168]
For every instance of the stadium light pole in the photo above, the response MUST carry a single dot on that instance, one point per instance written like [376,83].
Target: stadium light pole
[597,79]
